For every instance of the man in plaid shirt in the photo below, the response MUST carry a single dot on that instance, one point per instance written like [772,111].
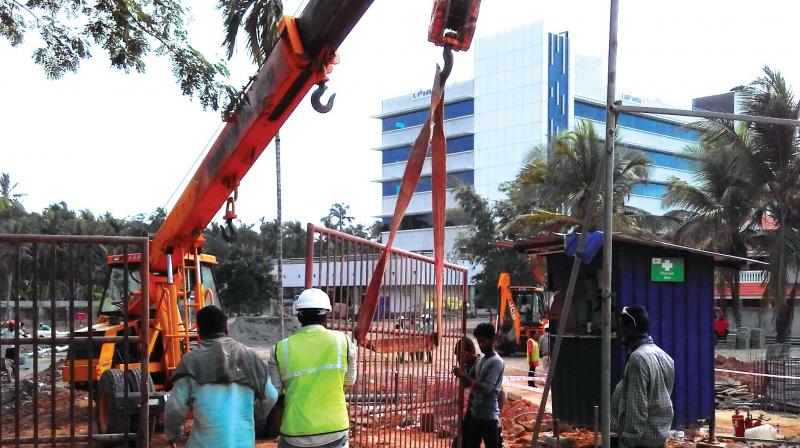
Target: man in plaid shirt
[641,410]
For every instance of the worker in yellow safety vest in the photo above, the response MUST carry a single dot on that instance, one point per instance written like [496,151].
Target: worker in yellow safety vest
[310,370]
[533,359]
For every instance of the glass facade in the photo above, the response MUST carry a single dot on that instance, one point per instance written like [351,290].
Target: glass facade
[669,160]
[650,189]
[646,124]
[392,187]
[454,145]
[416,118]
[419,221]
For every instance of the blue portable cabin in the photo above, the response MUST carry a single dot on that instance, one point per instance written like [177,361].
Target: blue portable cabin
[681,310]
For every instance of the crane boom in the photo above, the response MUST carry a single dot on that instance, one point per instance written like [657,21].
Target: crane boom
[289,72]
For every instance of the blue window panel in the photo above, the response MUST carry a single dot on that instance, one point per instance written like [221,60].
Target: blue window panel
[558,82]
[396,155]
[454,145]
[598,113]
[651,189]
[416,118]
[669,160]
[392,188]
[412,222]
[460,144]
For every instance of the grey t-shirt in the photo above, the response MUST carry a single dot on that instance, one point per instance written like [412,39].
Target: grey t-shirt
[487,370]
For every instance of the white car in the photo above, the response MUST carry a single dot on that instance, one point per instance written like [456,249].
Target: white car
[45,332]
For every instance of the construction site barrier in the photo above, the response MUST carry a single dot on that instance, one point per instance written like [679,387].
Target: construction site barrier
[38,406]
[405,395]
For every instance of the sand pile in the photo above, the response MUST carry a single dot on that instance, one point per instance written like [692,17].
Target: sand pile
[259,331]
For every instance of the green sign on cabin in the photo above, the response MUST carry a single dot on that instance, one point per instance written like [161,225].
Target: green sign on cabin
[666,270]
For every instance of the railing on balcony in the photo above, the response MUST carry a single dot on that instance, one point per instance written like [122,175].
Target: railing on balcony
[753,276]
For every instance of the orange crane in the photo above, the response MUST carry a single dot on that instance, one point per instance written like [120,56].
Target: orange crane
[526,320]
[181,279]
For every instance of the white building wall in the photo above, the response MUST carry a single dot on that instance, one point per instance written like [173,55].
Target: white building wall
[510,103]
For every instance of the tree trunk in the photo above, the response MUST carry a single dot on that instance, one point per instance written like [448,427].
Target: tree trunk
[735,302]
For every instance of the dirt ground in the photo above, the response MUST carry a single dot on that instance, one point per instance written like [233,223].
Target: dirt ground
[398,430]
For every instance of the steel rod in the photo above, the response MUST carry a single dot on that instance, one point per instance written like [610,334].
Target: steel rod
[751,439]
[608,228]
[279,230]
[704,114]
[65,340]
[80,239]
[144,387]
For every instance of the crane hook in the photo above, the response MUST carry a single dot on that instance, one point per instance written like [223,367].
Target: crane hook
[316,97]
[228,231]
[447,54]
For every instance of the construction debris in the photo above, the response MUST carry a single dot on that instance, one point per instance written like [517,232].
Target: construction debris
[517,419]
[731,394]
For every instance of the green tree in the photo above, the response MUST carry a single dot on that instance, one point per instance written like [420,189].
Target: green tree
[717,208]
[477,245]
[337,217]
[244,273]
[127,31]
[557,182]
[773,169]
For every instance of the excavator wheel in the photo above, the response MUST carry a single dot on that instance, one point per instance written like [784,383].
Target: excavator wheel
[109,419]
[134,385]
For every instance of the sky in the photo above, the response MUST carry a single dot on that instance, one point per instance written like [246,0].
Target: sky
[105,141]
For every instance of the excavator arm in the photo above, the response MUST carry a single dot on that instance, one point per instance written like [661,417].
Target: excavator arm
[298,62]
[507,301]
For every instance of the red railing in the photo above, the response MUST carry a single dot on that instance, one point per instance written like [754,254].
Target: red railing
[405,395]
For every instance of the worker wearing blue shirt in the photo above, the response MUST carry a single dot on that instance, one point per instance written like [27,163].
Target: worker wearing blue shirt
[220,382]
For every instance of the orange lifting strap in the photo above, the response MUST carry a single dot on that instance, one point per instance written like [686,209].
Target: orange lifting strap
[452,26]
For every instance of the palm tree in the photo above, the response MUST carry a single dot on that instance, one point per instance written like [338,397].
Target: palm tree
[770,155]
[774,167]
[259,19]
[557,182]
[716,210]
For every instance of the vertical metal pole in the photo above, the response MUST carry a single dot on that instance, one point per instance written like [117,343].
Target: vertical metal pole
[144,344]
[279,230]
[608,230]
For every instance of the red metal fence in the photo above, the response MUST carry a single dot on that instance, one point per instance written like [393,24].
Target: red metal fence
[405,395]
[68,275]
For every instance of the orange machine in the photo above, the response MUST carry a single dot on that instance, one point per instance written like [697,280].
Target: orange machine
[180,279]
[527,312]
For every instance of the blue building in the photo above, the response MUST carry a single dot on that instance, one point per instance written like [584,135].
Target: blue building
[529,84]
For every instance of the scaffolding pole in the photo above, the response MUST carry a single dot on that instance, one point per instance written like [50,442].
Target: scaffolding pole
[608,226]
[705,114]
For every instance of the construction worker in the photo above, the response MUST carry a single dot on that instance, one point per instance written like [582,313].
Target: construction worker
[544,347]
[220,382]
[485,381]
[9,352]
[641,408]
[310,369]
[532,357]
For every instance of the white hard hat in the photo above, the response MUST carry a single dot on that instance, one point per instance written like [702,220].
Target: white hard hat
[312,298]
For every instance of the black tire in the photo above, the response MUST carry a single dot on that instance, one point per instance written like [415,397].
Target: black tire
[134,385]
[109,419]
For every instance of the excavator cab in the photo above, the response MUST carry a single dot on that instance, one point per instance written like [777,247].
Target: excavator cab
[522,315]
[109,314]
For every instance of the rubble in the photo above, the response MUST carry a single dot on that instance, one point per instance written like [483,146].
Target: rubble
[731,394]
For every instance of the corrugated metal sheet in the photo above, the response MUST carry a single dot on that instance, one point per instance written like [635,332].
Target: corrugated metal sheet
[576,387]
[681,322]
